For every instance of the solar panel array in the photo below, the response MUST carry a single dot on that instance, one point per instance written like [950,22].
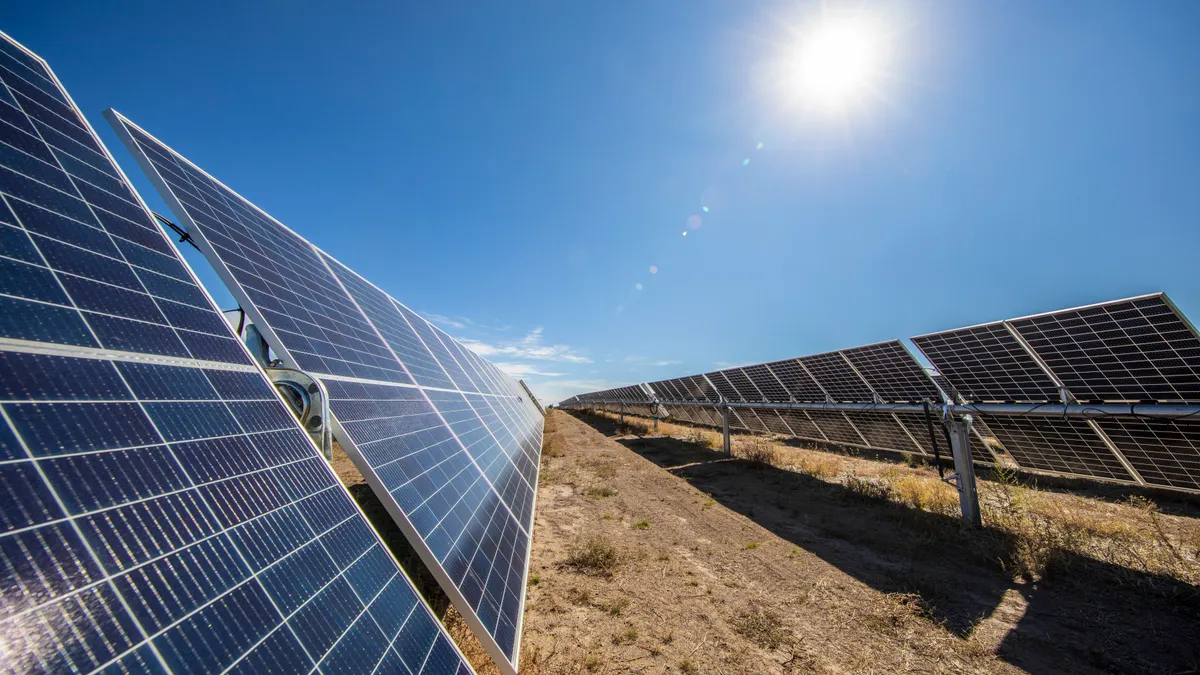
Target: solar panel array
[1136,350]
[163,509]
[449,443]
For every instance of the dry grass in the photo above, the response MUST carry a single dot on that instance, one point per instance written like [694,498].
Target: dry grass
[761,626]
[601,491]
[921,492]
[595,555]
[1040,530]
[1044,532]
[755,449]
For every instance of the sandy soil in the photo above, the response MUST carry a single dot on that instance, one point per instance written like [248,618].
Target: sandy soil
[726,566]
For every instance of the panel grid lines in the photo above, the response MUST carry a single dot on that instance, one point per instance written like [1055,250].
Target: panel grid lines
[449,467]
[138,476]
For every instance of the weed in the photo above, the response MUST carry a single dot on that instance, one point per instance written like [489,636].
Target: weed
[579,596]
[664,557]
[551,446]
[669,637]
[867,488]
[818,466]
[601,491]
[756,449]
[595,555]
[592,663]
[687,667]
[616,606]
[700,437]
[607,516]
[921,492]
[642,525]
[625,637]
[761,626]
[708,504]
[535,579]
[752,545]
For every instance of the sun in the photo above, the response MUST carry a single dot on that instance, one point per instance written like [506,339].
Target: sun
[837,62]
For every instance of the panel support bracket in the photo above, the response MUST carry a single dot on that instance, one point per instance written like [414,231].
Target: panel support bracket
[964,468]
[725,429]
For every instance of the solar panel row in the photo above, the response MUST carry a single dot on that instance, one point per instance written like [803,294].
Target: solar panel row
[448,442]
[1137,350]
[163,509]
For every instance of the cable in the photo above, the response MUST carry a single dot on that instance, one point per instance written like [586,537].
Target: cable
[183,234]
[937,456]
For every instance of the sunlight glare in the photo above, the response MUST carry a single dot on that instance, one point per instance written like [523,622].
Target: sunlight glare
[839,61]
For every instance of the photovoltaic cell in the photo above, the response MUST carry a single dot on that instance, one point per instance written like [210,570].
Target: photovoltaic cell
[745,389]
[1062,446]
[835,427]
[801,425]
[456,468]
[749,419]
[987,364]
[773,421]
[723,386]
[1139,349]
[1166,453]
[765,382]
[837,378]
[881,430]
[169,515]
[700,389]
[797,381]
[892,372]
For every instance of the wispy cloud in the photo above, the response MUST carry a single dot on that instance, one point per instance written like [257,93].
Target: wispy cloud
[528,347]
[442,319]
[733,364]
[523,369]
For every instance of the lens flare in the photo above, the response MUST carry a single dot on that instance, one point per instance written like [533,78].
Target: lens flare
[654,269]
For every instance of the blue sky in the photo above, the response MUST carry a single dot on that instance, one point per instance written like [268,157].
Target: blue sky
[513,170]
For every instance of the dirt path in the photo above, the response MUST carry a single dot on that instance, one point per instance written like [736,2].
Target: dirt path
[734,567]
[705,588]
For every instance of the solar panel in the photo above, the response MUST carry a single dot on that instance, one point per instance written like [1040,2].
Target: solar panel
[742,385]
[440,434]
[987,364]
[837,378]
[945,387]
[169,512]
[750,420]
[835,427]
[797,381]
[1061,446]
[1165,452]
[892,372]
[723,386]
[766,383]
[699,389]
[802,425]
[881,430]
[1139,349]
[773,421]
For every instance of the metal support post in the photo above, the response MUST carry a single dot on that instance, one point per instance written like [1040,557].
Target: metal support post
[622,411]
[256,344]
[725,429]
[656,419]
[964,468]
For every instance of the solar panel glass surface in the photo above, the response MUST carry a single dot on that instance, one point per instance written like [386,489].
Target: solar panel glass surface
[455,468]
[172,515]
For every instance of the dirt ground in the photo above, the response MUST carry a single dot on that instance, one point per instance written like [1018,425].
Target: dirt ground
[654,555]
